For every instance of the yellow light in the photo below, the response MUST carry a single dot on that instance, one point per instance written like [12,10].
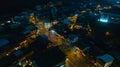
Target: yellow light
[2,24]
[16,48]
[73,19]
[90,30]
[33,19]
[33,36]
[98,6]
[83,11]
[7,54]
[77,26]
[30,63]
[67,59]
[107,33]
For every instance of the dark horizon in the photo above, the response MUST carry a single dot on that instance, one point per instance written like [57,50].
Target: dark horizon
[15,6]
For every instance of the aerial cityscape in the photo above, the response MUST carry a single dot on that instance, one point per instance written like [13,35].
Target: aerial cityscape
[60,33]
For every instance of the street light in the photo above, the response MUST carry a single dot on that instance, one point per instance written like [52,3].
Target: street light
[107,33]
[19,63]
[62,66]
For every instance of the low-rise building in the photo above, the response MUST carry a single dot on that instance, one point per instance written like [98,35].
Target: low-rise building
[105,60]
[73,38]
[3,44]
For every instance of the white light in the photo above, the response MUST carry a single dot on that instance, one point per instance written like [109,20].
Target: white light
[47,25]
[9,21]
[62,65]
[7,54]
[52,31]
[103,20]
[76,15]
[26,61]
[55,22]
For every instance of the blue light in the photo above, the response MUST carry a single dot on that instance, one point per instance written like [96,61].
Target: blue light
[118,2]
[103,19]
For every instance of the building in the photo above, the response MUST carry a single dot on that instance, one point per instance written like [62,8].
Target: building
[116,55]
[66,21]
[105,60]
[109,18]
[28,29]
[3,44]
[73,38]
[14,26]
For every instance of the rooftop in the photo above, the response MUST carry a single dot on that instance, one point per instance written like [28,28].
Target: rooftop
[106,58]
[3,42]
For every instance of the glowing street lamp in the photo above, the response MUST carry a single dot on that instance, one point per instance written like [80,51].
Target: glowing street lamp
[107,33]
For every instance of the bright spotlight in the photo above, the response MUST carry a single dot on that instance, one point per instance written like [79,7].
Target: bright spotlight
[103,19]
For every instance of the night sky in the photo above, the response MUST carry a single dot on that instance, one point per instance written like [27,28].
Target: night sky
[15,6]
